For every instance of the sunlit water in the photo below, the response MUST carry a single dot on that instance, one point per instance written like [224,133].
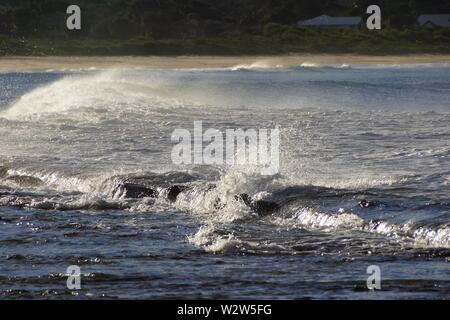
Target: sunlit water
[379,133]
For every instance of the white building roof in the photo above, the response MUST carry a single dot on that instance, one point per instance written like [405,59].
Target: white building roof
[325,20]
[442,20]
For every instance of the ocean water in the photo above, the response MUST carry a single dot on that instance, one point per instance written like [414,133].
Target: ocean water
[347,133]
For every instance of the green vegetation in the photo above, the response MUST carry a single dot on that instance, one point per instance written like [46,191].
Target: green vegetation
[387,41]
[230,27]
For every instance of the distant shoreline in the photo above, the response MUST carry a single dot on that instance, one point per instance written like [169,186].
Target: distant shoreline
[29,63]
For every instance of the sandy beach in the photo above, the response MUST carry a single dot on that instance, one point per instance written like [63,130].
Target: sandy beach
[17,63]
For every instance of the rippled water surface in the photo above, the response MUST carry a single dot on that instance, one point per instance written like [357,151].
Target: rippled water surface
[378,133]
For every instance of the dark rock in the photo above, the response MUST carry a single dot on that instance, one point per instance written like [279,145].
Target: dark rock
[245,198]
[135,191]
[264,208]
[365,204]
[174,191]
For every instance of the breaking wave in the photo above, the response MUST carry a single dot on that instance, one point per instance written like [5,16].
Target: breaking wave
[93,96]
[202,199]
[258,65]
[83,113]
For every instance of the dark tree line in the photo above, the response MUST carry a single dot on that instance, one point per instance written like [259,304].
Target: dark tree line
[191,19]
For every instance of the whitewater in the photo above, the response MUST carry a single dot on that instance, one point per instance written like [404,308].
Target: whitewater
[71,139]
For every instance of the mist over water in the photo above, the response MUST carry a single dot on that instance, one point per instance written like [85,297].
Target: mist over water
[379,133]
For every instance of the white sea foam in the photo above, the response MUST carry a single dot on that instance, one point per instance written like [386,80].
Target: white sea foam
[310,65]
[330,66]
[77,133]
[207,239]
[258,65]
[108,91]
[422,237]
[220,202]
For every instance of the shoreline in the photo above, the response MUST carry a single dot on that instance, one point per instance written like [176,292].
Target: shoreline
[33,63]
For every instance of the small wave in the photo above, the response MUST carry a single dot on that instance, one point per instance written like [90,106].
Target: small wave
[309,65]
[404,65]
[48,179]
[259,65]
[84,202]
[93,203]
[419,236]
[207,238]
[312,65]
[216,202]
[362,66]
